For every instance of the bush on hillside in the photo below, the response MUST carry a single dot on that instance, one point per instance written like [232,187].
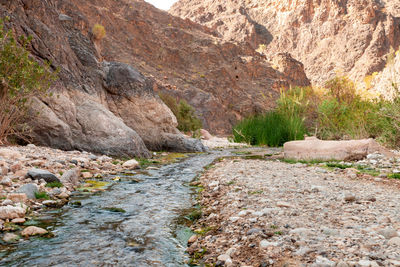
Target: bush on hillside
[184,113]
[98,31]
[272,129]
[21,77]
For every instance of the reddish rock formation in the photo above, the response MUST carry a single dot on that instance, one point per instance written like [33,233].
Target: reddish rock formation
[106,98]
[352,36]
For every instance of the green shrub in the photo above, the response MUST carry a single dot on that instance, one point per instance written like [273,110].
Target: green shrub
[21,78]
[184,113]
[99,32]
[271,129]
[54,185]
[42,195]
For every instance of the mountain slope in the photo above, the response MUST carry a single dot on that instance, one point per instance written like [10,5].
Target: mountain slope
[350,36]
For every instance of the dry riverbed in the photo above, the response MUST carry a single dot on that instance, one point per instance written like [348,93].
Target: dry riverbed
[272,213]
[36,178]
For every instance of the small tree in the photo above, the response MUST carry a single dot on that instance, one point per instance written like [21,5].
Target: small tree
[21,78]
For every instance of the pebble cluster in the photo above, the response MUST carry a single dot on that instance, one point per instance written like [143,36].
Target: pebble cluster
[271,213]
[33,178]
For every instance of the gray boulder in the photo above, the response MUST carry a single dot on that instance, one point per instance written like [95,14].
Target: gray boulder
[37,174]
[29,190]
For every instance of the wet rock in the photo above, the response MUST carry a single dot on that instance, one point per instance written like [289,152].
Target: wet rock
[37,174]
[10,237]
[63,195]
[33,230]
[18,220]
[11,212]
[71,177]
[131,164]
[29,190]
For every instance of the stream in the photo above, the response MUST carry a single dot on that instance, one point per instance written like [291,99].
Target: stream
[146,234]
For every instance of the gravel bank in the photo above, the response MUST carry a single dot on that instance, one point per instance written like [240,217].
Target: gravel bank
[270,213]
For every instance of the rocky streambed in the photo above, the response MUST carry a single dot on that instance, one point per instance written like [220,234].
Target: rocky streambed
[106,212]
[274,213]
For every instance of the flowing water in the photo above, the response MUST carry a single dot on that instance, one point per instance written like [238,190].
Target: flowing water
[145,235]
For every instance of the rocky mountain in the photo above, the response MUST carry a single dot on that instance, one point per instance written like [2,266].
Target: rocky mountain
[327,36]
[106,99]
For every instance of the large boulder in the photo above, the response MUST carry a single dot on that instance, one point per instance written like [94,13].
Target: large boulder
[29,190]
[11,212]
[315,149]
[37,174]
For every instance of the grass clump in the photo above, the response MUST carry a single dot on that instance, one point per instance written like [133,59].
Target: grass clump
[272,129]
[394,175]
[42,195]
[185,114]
[54,185]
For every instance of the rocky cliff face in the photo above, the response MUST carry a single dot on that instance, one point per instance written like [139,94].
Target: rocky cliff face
[106,97]
[351,36]
[97,105]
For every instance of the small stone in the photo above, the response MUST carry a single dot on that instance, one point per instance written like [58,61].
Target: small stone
[365,263]
[33,230]
[6,181]
[16,167]
[192,239]
[55,191]
[10,237]
[63,195]
[394,241]
[304,232]
[37,174]
[254,231]
[18,220]
[388,233]
[87,175]
[342,264]
[71,177]
[349,197]
[234,219]
[282,204]
[7,202]
[224,257]
[131,164]
[265,243]
[321,261]
[9,154]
